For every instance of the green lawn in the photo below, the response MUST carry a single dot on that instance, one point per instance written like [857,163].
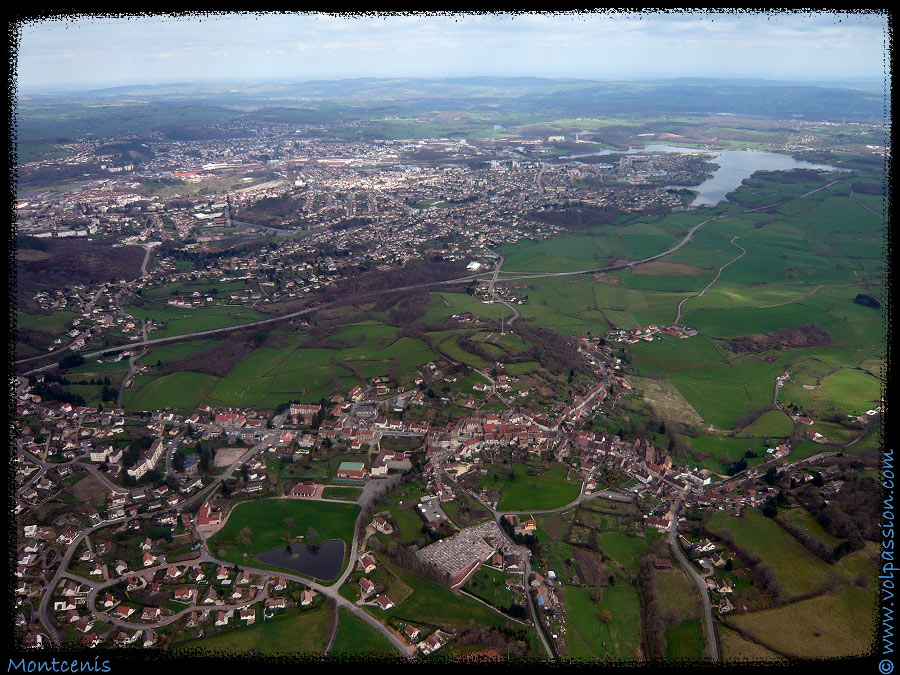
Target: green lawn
[489,585]
[435,605]
[266,520]
[545,490]
[337,492]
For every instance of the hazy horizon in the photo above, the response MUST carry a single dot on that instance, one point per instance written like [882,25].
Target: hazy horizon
[872,82]
[65,54]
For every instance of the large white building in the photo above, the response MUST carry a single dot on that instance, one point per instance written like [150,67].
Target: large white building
[148,461]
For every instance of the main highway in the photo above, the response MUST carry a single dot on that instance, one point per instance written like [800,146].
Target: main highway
[495,277]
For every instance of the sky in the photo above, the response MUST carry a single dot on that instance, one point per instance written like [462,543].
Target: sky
[83,52]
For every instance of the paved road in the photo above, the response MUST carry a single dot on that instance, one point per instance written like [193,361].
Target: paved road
[132,365]
[712,649]
[540,174]
[147,251]
[263,322]
[494,294]
[527,558]
[611,268]
[330,590]
[710,284]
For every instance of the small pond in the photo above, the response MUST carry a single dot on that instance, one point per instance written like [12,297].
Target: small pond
[324,562]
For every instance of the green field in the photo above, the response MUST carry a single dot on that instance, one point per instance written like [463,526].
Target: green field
[759,293]
[451,347]
[845,391]
[302,632]
[176,321]
[366,331]
[737,649]
[679,603]
[717,452]
[269,376]
[53,324]
[356,638]
[773,424]
[587,631]
[684,641]
[183,390]
[798,571]
[445,304]
[799,516]
[841,623]
[624,549]
[176,351]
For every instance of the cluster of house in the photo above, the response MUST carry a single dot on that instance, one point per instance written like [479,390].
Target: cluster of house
[647,334]
[363,426]
[521,527]
[505,292]
[705,553]
[470,435]
[216,597]
[90,318]
[486,208]
[544,594]
[368,590]
[68,430]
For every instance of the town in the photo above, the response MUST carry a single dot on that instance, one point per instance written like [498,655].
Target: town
[445,369]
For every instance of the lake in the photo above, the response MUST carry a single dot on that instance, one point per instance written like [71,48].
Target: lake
[326,563]
[734,167]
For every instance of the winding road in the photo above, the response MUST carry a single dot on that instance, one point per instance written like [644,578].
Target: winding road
[329,590]
[710,284]
[712,649]
[497,271]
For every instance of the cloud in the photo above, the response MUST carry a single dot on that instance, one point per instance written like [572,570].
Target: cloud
[697,43]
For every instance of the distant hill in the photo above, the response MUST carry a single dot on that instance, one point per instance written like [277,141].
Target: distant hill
[207,103]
